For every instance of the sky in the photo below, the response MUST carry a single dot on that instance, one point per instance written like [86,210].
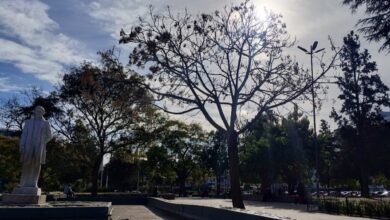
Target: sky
[41,39]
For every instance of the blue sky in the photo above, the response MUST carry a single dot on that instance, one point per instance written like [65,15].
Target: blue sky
[40,39]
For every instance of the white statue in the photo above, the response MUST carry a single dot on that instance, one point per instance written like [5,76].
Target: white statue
[36,133]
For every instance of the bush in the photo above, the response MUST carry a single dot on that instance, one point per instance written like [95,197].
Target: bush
[356,207]
[10,167]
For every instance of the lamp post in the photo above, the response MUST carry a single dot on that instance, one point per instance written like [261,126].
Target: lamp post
[311,53]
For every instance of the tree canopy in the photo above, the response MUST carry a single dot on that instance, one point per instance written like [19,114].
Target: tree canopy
[362,95]
[376,26]
[107,100]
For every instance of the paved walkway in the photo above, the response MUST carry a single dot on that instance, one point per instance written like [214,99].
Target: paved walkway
[281,210]
[139,212]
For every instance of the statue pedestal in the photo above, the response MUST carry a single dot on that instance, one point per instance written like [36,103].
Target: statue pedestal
[25,196]
[58,210]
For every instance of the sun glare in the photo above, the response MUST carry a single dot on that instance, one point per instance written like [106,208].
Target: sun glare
[264,7]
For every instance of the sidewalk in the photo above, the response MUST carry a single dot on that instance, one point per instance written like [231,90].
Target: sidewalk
[281,210]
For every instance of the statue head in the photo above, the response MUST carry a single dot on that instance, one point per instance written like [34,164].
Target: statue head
[39,111]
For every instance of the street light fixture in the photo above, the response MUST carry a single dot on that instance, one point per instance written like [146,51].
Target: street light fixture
[311,53]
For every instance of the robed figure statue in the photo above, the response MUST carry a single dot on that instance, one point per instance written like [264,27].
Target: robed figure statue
[36,133]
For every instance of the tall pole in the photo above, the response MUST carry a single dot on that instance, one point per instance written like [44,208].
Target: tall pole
[314,124]
[311,53]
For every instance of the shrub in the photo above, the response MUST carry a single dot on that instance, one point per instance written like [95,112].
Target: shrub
[10,167]
[356,207]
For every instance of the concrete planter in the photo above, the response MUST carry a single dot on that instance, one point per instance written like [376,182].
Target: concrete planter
[204,212]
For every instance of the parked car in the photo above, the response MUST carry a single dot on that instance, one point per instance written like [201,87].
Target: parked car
[356,194]
[346,193]
[247,192]
[384,193]
[321,193]
[135,192]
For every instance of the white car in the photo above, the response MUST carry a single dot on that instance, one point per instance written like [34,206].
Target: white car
[384,193]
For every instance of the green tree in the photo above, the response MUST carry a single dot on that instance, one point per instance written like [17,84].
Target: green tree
[158,166]
[376,26]
[122,171]
[297,156]
[258,164]
[216,61]
[184,144]
[107,101]
[278,151]
[362,95]
[68,162]
[10,168]
[144,136]
[214,156]
[328,154]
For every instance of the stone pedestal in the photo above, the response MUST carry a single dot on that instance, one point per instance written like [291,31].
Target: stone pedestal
[27,191]
[25,196]
[58,210]
[19,199]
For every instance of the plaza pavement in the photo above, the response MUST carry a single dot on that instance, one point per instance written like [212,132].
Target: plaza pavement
[139,212]
[282,210]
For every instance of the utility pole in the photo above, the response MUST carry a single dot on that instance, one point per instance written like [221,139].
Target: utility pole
[311,53]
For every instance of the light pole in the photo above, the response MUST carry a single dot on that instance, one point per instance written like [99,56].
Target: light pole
[311,53]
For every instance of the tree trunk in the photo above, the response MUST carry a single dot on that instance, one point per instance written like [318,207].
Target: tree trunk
[95,175]
[218,184]
[363,181]
[291,188]
[235,188]
[363,163]
[183,191]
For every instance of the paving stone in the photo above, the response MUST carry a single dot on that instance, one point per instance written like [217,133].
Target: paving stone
[140,212]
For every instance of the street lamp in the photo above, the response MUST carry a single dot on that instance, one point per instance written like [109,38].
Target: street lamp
[311,53]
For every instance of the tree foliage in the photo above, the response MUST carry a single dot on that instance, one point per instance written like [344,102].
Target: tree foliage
[184,144]
[106,100]
[362,95]
[122,171]
[10,168]
[278,151]
[328,155]
[376,26]
[214,156]
[363,92]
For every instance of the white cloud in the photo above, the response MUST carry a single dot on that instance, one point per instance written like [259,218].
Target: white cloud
[115,15]
[29,61]
[39,48]
[6,86]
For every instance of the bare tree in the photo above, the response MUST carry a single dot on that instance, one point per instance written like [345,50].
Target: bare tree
[17,109]
[228,61]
